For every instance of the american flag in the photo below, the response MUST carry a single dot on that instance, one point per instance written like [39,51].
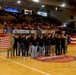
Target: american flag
[5,42]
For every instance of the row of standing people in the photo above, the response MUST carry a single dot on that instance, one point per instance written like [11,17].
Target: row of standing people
[39,45]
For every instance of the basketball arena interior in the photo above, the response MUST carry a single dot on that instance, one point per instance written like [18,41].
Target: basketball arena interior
[37,37]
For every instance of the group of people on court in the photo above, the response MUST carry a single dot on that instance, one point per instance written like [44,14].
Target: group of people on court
[39,45]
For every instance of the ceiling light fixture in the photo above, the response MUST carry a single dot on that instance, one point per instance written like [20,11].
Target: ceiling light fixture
[63,5]
[0,7]
[36,0]
[56,8]
[43,6]
[18,1]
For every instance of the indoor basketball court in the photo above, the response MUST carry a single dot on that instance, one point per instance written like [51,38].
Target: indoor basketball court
[37,37]
[29,66]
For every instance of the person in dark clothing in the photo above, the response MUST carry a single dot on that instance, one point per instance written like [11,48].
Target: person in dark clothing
[30,45]
[15,45]
[23,45]
[41,43]
[19,44]
[47,46]
[26,43]
[63,45]
[38,37]
[49,38]
[57,46]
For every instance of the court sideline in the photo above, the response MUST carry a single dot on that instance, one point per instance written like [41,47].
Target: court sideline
[19,66]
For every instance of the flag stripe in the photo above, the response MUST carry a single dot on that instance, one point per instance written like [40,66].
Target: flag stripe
[73,40]
[5,42]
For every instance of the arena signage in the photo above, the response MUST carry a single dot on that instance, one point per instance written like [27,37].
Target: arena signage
[48,31]
[43,31]
[8,31]
[33,31]
[15,31]
[23,31]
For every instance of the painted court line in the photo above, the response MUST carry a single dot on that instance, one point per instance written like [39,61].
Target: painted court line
[26,66]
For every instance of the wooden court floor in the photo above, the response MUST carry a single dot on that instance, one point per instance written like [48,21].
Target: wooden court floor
[29,66]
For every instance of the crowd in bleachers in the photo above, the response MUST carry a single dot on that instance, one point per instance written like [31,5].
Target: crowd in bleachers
[29,22]
[27,26]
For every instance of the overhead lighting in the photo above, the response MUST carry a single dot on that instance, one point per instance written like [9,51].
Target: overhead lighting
[63,5]
[43,6]
[18,1]
[36,0]
[64,24]
[56,8]
[0,7]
